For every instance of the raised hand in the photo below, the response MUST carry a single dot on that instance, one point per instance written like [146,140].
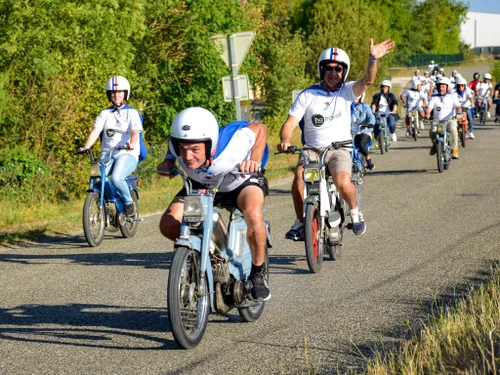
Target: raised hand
[379,50]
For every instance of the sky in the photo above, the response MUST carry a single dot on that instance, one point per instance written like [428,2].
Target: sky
[483,6]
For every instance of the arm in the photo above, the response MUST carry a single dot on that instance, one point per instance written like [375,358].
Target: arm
[253,164]
[370,117]
[376,52]
[94,134]
[133,139]
[286,132]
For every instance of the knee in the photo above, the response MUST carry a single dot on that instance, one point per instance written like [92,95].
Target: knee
[170,227]
[253,217]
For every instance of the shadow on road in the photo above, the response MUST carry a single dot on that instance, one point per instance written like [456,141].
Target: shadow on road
[84,325]
[146,260]
[401,171]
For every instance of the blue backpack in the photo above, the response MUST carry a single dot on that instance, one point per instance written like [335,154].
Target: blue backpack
[227,132]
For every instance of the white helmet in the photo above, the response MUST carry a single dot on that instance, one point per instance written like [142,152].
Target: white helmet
[195,124]
[415,83]
[432,61]
[443,81]
[487,76]
[118,83]
[461,81]
[454,73]
[337,55]
[387,83]
[417,72]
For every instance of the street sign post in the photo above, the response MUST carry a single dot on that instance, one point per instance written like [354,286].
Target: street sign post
[234,48]
[241,83]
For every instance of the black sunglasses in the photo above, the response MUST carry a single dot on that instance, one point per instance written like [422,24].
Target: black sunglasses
[337,68]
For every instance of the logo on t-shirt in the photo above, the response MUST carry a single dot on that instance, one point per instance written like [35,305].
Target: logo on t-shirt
[110,133]
[317,120]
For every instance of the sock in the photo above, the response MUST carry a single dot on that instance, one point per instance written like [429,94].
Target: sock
[354,215]
[256,269]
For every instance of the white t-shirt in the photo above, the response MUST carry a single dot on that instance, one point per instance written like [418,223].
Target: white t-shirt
[464,97]
[238,149]
[326,114]
[414,99]
[116,126]
[483,89]
[444,106]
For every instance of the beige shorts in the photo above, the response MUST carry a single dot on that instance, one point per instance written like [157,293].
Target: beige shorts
[336,160]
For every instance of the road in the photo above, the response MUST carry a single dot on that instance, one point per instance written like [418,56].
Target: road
[67,308]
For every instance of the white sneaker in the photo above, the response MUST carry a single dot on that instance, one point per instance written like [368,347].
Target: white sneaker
[471,135]
[421,123]
[394,137]
[488,115]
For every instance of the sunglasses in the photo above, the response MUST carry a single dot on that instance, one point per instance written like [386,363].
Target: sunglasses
[337,68]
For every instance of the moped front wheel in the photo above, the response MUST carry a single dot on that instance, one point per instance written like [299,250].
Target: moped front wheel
[251,314]
[314,241]
[440,156]
[93,219]
[381,141]
[129,228]
[187,298]
[415,129]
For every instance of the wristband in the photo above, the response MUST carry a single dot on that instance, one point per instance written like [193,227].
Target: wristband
[371,58]
[170,157]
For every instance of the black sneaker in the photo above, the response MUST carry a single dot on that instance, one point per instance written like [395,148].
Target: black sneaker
[496,120]
[129,209]
[370,165]
[260,291]
[296,232]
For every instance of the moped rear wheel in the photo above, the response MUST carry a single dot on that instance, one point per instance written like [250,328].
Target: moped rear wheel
[440,156]
[314,241]
[187,298]
[93,219]
[415,129]
[251,314]
[129,228]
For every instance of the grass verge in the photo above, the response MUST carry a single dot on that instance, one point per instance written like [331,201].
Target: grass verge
[460,339]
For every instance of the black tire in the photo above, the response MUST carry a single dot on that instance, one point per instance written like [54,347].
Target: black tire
[188,312]
[129,229]
[93,219]
[314,241]
[415,129]
[251,314]
[440,156]
[381,141]
[463,135]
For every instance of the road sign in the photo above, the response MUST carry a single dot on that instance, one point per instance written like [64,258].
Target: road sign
[242,42]
[242,86]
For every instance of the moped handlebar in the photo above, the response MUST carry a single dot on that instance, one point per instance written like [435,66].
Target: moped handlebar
[92,158]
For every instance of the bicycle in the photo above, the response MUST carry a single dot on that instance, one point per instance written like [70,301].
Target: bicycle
[103,208]
[482,104]
[325,212]
[211,265]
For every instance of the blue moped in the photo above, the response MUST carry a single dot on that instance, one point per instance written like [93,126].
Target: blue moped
[211,265]
[103,208]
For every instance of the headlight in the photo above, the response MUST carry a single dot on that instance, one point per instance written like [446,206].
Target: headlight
[94,170]
[440,128]
[311,175]
[193,209]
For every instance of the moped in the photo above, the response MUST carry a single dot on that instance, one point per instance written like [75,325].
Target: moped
[443,146]
[211,265]
[325,212]
[384,135]
[103,208]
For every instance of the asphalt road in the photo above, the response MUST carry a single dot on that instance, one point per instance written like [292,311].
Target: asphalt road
[66,308]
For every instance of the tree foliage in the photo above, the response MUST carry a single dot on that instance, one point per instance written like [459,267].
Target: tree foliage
[55,57]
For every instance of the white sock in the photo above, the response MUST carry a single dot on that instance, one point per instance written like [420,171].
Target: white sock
[354,215]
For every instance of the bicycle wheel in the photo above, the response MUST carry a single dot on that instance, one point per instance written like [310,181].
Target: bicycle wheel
[93,219]
[187,298]
[313,238]
[129,228]
[381,141]
[440,156]
[462,133]
[251,314]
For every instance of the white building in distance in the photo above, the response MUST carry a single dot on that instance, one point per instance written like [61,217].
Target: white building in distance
[481,30]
